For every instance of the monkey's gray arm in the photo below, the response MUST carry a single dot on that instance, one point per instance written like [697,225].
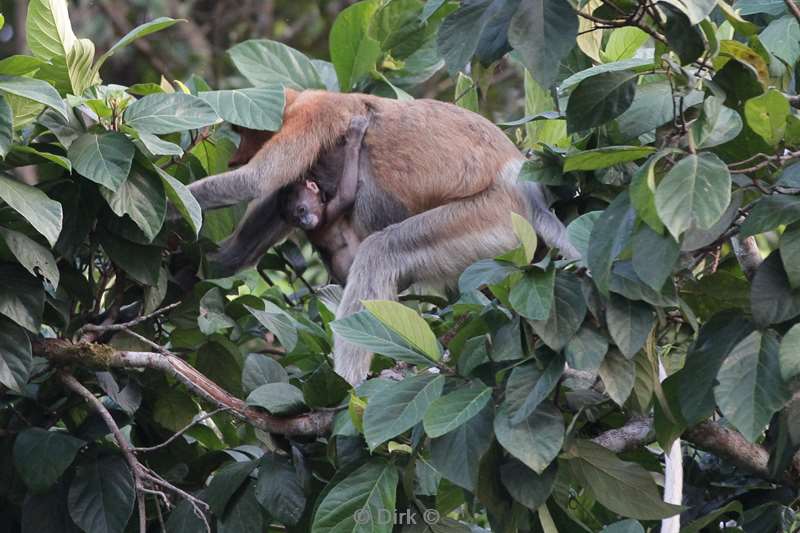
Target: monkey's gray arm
[228,188]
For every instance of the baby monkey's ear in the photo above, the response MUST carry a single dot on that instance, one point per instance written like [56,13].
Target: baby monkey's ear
[312,186]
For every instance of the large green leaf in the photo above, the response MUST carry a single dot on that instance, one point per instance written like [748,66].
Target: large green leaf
[532,295]
[610,235]
[586,350]
[78,65]
[353,52]
[623,487]
[751,7]
[629,323]
[695,10]
[566,313]
[258,108]
[277,398]
[400,407]
[407,323]
[790,254]
[143,30]
[459,34]
[101,495]
[618,374]
[359,501]
[184,201]
[265,62]
[790,354]
[599,99]
[16,358]
[278,322]
[653,106]
[49,31]
[766,115]
[244,512]
[750,388]
[261,369]
[279,490]
[529,385]
[782,38]
[167,113]
[717,125]
[142,198]
[623,43]
[457,454]
[536,440]
[543,32]
[484,272]
[105,159]
[454,409]
[696,190]
[579,232]
[36,259]
[769,212]
[6,127]
[41,456]
[225,483]
[365,330]
[772,299]
[142,263]
[36,90]
[654,256]
[526,486]
[605,157]
[21,297]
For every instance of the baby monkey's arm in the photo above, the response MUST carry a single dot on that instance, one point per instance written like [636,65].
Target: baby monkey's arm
[348,182]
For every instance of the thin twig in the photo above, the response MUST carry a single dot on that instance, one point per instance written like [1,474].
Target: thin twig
[182,431]
[125,325]
[793,8]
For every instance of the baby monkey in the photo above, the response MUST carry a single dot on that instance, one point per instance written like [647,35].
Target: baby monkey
[318,204]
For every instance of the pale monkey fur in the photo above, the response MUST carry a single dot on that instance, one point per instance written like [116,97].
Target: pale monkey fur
[438,196]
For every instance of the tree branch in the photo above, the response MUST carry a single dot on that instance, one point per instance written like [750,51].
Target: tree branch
[638,431]
[747,253]
[793,8]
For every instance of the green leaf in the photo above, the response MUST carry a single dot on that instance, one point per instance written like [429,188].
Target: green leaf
[221,362]
[244,513]
[790,354]
[105,159]
[629,323]
[278,322]
[717,125]
[466,93]
[142,198]
[566,313]
[599,99]
[225,483]
[459,34]
[258,108]
[642,193]
[623,43]
[359,501]
[406,323]
[579,232]
[536,440]
[6,127]
[654,105]
[278,398]
[769,212]
[605,157]
[696,190]
[36,259]
[782,38]
[654,256]
[36,90]
[143,30]
[79,66]
[36,157]
[529,385]
[635,65]
[265,62]
[532,295]
[790,254]
[526,235]
[618,374]
[142,263]
[695,10]
[543,33]
[457,454]
[41,456]
[365,330]
[16,358]
[174,410]
[260,370]
[353,52]
[20,65]
[586,350]
[101,495]
[168,113]
[484,272]
[455,408]
[325,388]
[400,407]
[49,31]
[184,201]
[21,297]
[766,115]
[751,7]
[772,299]
[278,489]
[610,235]
[750,389]
[624,526]
[623,487]
[682,36]
[157,146]
[526,486]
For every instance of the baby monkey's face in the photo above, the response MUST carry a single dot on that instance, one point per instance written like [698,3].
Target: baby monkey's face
[305,205]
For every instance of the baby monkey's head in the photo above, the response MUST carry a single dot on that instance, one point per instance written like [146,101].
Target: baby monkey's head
[304,207]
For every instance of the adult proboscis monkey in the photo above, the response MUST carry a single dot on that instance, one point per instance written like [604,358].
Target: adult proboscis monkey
[437,195]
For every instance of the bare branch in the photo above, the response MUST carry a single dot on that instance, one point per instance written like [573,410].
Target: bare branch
[638,431]
[747,253]
[793,8]
[182,431]
[102,328]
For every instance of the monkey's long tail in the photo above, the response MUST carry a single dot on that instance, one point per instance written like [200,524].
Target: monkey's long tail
[546,224]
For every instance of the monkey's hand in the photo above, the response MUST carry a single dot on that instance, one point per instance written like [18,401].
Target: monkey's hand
[356,130]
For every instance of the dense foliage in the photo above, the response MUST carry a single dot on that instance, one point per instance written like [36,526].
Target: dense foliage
[667,132]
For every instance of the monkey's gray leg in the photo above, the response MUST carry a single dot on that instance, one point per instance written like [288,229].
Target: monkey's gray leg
[259,229]
[436,245]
